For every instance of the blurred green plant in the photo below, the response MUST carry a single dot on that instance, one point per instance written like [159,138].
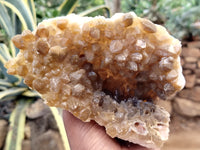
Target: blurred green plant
[181,18]
[49,8]
[46,8]
[91,4]
[2,36]
[177,16]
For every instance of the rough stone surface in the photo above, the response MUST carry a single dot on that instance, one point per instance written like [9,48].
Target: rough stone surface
[50,140]
[190,80]
[198,81]
[187,72]
[186,107]
[192,52]
[197,72]
[191,94]
[191,59]
[166,105]
[26,145]
[198,64]
[37,109]
[191,66]
[40,125]
[107,70]
[3,131]
[194,44]
[27,131]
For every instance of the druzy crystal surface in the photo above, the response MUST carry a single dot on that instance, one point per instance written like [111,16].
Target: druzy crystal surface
[107,70]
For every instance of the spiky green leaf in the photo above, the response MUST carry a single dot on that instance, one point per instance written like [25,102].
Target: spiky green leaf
[31,93]
[14,51]
[8,77]
[12,92]
[31,5]
[5,83]
[22,11]
[20,82]
[4,52]
[9,98]
[5,21]
[2,88]
[16,129]
[61,127]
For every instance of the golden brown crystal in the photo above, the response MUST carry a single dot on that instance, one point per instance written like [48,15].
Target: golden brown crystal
[107,70]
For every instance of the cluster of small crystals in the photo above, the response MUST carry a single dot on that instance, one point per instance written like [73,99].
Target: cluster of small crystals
[73,60]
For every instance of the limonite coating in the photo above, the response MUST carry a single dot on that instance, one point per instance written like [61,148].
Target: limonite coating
[107,70]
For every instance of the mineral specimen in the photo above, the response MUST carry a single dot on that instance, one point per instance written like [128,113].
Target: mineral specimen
[107,70]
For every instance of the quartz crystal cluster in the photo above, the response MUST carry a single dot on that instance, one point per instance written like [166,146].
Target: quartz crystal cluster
[107,70]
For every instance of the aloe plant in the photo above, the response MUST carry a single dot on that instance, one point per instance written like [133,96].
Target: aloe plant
[17,125]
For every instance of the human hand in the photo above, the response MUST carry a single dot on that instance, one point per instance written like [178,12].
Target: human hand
[91,136]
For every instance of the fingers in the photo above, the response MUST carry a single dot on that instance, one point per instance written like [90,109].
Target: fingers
[87,136]
[91,136]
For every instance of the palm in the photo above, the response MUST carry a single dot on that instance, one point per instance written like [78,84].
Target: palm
[90,136]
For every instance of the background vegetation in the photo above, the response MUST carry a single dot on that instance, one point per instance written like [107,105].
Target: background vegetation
[179,16]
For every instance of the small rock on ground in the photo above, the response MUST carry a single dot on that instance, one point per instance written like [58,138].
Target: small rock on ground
[26,145]
[3,131]
[36,110]
[197,72]
[198,64]
[186,107]
[50,140]
[27,131]
[190,59]
[187,72]
[191,66]
[191,94]
[194,44]
[166,104]
[190,80]
[190,52]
